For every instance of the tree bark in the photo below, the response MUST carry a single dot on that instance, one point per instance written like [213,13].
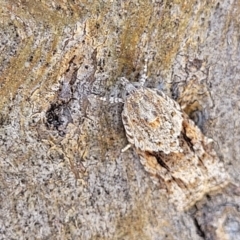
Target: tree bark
[62,172]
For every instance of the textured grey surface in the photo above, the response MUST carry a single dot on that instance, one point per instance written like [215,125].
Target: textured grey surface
[62,173]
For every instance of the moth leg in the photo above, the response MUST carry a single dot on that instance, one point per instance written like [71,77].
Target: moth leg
[111,99]
[116,100]
[126,148]
[143,78]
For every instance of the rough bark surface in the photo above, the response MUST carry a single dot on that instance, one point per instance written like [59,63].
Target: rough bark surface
[62,172]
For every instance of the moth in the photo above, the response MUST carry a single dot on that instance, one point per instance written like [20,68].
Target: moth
[171,147]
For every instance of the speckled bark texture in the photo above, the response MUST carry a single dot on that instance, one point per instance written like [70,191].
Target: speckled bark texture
[62,172]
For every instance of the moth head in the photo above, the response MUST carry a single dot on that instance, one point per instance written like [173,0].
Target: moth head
[128,86]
